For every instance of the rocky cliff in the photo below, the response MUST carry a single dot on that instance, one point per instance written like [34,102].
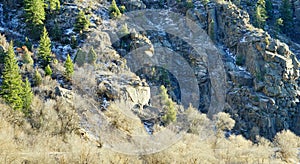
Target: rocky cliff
[263,85]
[263,90]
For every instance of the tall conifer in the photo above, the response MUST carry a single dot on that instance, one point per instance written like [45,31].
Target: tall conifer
[27,96]
[69,67]
[44,51]
[11,89]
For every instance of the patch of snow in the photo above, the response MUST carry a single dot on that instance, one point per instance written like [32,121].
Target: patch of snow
[243,40]
[148,127]
[239,68]
[106,65]
[70,6]
[231,55]
[66,49]
[60,81]
[104,104]
[69,31]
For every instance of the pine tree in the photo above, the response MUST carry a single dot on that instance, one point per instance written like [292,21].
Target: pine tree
[56,32]
[11,88]
[80,58]
[2,55]
[286,15]
[260,16]
[44,51]
[122,9]
[54,5]
[48,70]
[69,67]
[74,43]
[114,11]
[37,78]
[92,57]
[35,15]
[82,22]
[27,97]
[27,59]
[169,106]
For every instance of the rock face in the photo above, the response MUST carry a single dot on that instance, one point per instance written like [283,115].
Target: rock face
[133,4]
[125,87]
[263,74]
[268,97]
[297,17]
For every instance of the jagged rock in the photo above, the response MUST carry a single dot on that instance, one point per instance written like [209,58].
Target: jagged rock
[275,70]
[140,41]
[133,4]
[272,47]
[123,87]
[241,78]
[68,95]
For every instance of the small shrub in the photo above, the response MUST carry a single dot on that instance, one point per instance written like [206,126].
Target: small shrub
[114,11]
[48,70]
[37,78]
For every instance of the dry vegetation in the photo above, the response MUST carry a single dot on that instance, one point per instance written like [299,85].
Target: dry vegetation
[49,137]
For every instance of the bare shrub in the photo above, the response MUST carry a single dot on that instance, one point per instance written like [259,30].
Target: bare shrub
[287,142]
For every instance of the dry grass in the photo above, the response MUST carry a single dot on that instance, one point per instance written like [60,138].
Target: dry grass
[48,136]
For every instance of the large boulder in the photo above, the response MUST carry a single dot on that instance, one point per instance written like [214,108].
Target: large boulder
[125,87]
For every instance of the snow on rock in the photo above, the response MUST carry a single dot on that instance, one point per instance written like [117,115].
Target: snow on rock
[243,40]
[69,31]
[233,57]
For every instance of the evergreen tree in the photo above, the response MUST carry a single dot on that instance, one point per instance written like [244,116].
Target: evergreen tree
[27,59]
[27,97]
[92,56]
[34,15]
[37,78]
[56,32]
[11,88]
[82,22]
[2,55]
[74,43]
[44,51]
[169,107]
[286,15]
[48,70]
[80,58]
[54,5]
[114,11]
[69,67]
[122,9]
[260,16]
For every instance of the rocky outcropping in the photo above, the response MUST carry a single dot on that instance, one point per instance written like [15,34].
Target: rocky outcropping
[267,97]
[127,88]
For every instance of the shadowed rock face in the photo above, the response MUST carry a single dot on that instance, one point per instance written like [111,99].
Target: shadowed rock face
[297,16]
[262,85]
[266,95]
